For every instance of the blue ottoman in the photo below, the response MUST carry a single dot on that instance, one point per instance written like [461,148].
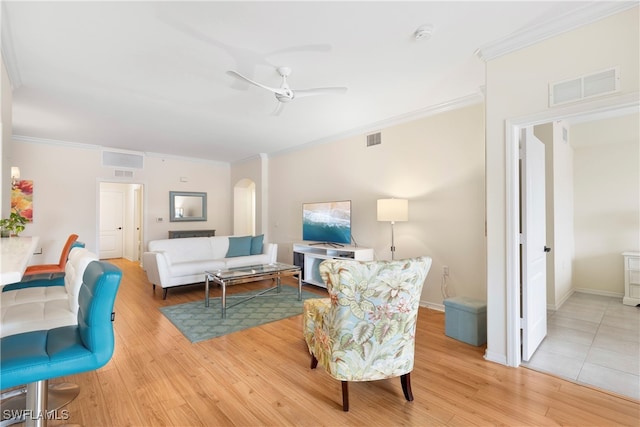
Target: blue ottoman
[465,319]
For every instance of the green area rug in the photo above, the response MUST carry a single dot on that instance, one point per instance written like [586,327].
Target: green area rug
[199,323]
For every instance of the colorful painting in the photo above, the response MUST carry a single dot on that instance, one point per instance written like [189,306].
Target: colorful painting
[22,198]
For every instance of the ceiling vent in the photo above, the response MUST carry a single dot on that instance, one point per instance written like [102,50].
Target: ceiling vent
[121,159]
[374,139]
[584,87]
[119,173]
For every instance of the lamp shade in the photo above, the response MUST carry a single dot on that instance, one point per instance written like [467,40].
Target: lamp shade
[393,210]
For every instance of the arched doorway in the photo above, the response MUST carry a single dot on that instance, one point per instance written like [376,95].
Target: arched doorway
[244,208]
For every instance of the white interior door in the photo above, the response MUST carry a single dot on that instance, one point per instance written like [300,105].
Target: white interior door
[111,223]
[534,262]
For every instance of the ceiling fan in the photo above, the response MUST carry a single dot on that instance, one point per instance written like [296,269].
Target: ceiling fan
[284,93]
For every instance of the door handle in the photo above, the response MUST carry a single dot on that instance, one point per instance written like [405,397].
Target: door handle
[547,249]
[119,228]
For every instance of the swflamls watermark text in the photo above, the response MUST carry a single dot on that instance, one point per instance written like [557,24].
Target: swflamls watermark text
[28,414]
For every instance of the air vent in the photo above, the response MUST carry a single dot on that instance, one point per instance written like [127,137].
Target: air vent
[123,174]
[122,159]
[374,139]
[583,87]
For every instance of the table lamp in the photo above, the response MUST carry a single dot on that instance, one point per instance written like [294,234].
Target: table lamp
[393,210]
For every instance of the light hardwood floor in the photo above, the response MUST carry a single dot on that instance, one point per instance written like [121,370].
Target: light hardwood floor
[261,376]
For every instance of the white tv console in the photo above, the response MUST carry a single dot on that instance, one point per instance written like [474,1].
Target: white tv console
[309,256]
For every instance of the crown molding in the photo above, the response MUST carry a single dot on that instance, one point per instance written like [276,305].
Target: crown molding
[187,159]
[465,101]
[608,104]
[46,141]
[6,47]
[563,23]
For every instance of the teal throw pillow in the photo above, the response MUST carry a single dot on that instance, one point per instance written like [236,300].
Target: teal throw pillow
[256,244]
[239,246]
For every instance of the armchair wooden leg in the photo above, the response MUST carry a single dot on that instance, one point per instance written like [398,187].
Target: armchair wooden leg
[164,293]
[345,396]
[405,380]
[314,361]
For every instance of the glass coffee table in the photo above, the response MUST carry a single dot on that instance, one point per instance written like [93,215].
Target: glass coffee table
[253,273]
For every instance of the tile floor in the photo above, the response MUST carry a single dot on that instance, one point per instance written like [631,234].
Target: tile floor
[593,340]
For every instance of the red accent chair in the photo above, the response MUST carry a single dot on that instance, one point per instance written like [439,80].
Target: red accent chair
[52,268]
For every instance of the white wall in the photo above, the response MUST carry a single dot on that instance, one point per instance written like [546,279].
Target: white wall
[517,86]
[607,198]
[563,243]
[66,181]
[436,162]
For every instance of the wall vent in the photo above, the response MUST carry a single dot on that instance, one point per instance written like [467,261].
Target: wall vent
[584,87]
[122,159]
[374,139]
[118,173]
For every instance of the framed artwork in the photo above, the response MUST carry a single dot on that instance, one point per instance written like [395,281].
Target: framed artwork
[22,198]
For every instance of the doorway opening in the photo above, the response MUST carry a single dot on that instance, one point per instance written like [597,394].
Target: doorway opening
[514,127]
[244,208]
[120,220]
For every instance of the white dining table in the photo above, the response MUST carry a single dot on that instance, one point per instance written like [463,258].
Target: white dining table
[15,253]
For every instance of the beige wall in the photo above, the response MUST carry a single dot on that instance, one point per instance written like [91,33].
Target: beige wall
[517,86]
[436,162]
[66,181]
[607,201]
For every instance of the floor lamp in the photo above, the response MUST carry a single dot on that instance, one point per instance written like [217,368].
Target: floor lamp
[393,210]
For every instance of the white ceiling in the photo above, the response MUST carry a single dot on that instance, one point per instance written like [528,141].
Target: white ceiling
[151,76]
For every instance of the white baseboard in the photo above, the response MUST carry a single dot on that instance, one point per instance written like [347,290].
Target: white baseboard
[494,357]
[601,293]
[564,299]
[556,307]
[432,306]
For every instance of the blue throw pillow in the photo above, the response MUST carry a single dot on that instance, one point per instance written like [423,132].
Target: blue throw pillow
[256,244]
[239,246]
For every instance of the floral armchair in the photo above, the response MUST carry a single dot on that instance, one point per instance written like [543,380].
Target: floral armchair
[365,330]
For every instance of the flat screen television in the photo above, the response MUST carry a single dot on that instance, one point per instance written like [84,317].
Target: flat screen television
[327,222]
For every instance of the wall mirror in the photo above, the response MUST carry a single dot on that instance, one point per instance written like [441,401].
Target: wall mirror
[187,206]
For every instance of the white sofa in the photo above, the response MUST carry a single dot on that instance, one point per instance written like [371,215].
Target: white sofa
[45,307]
[175,262]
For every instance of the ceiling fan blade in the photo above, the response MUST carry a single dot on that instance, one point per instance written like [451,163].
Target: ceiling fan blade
[319,91]
[237,75]
[278,109]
